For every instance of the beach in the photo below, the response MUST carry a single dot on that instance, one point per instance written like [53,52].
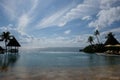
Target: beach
[88,73]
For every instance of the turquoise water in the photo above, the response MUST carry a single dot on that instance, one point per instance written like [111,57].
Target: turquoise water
[55,57]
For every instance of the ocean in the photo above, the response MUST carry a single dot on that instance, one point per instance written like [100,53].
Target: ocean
[56,57]
[30,61]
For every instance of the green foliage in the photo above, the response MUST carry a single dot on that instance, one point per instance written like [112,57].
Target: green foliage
[6,37]
[90,39]
[94,48]
[99,47]
[97,33]
[89,49]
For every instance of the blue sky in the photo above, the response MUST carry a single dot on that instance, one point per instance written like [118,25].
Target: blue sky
[59,23]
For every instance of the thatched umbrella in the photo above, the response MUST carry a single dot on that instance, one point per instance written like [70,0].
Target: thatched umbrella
[108,45]
[13,43]
[111,40]
[112,43]
[117,45]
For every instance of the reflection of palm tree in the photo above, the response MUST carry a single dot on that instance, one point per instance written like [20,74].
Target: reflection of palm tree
[96,33]
[6,37]
[6,60]
[90,40]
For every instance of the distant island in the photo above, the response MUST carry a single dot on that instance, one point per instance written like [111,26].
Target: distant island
[111,45]
[11,43]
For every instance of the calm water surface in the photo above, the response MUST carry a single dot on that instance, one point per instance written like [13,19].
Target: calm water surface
[58,64]
[54,57]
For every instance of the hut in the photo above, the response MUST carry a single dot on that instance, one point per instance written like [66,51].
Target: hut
[111,41]
[112,44]
[13,45]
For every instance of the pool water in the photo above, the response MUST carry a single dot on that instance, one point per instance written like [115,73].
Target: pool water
[50,58]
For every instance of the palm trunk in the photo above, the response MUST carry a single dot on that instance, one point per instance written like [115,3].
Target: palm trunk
[98,39]
[91,43]
[6,46]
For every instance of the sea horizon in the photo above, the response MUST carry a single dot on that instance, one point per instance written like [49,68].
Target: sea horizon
[54,49]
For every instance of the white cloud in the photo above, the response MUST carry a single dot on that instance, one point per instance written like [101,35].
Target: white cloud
[109,13]
[53,19]
[34,6]
[67,32]
[26,18]
[60,38]
[9,27]
[59,41]
[115,30]
[65,15]
[87,8]
[106,4]
[23,22]
[86,18]
[106,17]
[10,9]
[50,21]
[19,12]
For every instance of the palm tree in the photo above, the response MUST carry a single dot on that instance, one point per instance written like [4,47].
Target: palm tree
[90,40]
[96,33]
[6,37]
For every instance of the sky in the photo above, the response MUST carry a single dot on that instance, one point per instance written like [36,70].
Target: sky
[59,23]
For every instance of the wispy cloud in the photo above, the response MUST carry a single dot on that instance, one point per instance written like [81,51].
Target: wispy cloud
[30,17]
[54,19]
[10,9]
[109,13]
[9,27]
[67,32]
[23,22]
[60,41]
[87,18]
[19,12]
[65,15]
[87,8]
[106,17]
[27,17]
[51,20]
[115,30]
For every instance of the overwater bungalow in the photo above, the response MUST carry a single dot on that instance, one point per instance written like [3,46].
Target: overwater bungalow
[112,45]
[13,45]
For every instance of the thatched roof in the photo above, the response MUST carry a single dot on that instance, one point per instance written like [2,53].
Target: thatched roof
[111,41]
[13,42]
